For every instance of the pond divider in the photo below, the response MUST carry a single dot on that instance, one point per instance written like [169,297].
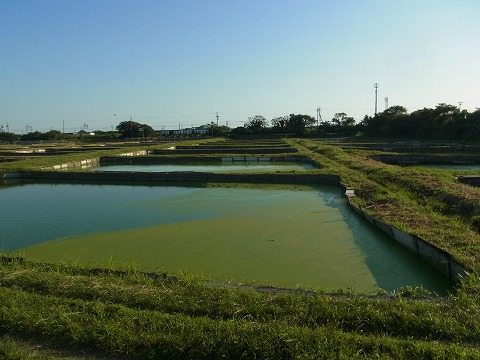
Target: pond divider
[93,162]
[175,176]
[437,257]
[151,159]
[200,151]
[78,164]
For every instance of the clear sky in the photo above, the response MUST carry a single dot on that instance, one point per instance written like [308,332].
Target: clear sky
[66,63]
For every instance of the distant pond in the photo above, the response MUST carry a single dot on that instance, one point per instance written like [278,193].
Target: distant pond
[217,167]
[461,167]
[282,236]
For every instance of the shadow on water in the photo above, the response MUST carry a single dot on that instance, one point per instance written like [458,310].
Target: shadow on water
[392,265]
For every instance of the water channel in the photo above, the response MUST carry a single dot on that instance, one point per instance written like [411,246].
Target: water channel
[284,236]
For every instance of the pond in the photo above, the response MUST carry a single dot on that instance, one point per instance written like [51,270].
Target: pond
[286,236]
[461,167]
[216,167]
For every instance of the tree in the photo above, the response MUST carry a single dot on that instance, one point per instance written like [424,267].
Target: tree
[54,135]
[341,121]
[132,129]
[392,122]
[280,123]
[8,136]
[33,136]
[256,124]
[146,131]
[298,123]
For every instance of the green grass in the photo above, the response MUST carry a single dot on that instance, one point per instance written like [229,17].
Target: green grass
[132,314]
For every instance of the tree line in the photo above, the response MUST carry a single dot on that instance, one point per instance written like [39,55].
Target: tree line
[442,122]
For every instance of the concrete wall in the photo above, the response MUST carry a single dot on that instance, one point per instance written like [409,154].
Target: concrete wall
[437,257]
[149,159]
[94,161]
[10,175]
[184,176]
[78,164]
[273,150]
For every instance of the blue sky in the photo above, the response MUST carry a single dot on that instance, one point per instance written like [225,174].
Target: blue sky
[176,63]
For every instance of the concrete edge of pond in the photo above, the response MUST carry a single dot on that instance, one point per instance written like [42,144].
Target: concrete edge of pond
[472,180]
[437,257]
[183,176]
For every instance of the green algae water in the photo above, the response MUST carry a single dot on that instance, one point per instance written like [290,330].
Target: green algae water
[283,236]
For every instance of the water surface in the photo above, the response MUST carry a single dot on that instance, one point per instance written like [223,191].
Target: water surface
[217,167]
[461,167]
[282,236]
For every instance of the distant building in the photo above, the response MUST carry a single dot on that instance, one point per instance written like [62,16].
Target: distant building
[186,131]
[83,132]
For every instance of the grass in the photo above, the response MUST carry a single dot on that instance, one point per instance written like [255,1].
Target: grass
[133,315]
[427,203]
[66,311]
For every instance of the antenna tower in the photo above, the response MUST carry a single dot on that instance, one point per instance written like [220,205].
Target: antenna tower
[319,115]
[376,91]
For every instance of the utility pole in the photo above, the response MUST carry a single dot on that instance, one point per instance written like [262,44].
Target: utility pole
[217,118]
[376,91]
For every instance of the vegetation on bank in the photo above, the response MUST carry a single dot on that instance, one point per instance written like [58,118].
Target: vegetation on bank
[423,202]
[71,311]
[66,311]
[71,153]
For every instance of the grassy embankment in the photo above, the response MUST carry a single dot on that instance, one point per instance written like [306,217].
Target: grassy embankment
[41,161]
[421,201]
[64,311]
[58,310]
